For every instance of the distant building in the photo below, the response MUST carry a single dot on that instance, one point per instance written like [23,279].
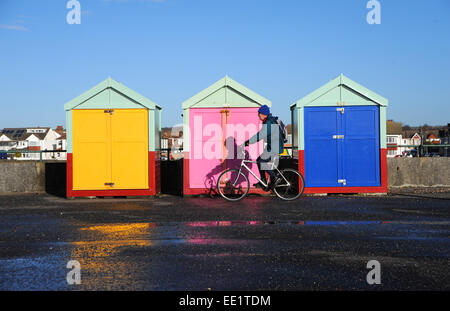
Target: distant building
[61,146]
[432,140]
[415,140]
[424,130]
[60,130]
[172,143]
[431,135]
[18,140]
[393,138]
[392,141]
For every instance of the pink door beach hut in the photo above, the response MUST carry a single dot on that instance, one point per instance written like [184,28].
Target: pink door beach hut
[216,121]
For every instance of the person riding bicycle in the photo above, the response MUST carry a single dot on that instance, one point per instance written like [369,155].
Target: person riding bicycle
[271,134]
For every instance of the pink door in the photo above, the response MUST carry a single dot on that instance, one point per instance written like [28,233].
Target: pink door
[206,137]
[246,124]
[215,135]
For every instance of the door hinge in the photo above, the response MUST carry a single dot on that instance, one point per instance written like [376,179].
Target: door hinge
[341,110]
[342,181]
[338,136]
[111,184]
[227,112]
[110,111]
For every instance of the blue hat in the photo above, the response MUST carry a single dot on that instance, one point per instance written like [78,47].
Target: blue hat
[264,110]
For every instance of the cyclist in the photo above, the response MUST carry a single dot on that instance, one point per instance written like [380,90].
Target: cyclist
[271,134]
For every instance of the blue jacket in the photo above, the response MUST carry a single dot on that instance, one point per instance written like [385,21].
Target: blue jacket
[270,129]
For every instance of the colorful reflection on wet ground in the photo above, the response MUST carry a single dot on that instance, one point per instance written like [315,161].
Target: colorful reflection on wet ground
[120,247]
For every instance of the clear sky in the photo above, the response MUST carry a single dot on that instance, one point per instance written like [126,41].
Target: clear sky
[168,50]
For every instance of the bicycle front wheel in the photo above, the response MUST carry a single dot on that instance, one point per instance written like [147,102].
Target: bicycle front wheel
[233,185]
[290,185]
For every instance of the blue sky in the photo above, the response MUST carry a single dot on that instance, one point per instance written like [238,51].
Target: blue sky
[168,50]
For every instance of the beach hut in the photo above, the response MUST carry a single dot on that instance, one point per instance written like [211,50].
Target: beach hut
[113,143]
[339,138]
[216,121]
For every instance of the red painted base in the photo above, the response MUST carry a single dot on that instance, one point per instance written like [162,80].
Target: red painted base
[153,177]
[382,189]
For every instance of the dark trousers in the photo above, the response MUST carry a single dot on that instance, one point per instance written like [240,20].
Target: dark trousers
[264,164]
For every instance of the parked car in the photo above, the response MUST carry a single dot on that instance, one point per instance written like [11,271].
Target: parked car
[3,156]
[411,153]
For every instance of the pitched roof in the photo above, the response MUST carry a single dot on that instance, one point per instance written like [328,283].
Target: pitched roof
[416,135]
[342,80]
[60,129]
[118,87]
[22,133]
[226,82]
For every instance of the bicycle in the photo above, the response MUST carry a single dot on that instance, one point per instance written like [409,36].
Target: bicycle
[233,185]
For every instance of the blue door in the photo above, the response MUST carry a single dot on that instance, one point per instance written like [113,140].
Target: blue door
[342,146]
[361,146]
[321,149]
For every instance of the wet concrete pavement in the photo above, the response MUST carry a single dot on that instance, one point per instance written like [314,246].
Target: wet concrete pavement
[261,243]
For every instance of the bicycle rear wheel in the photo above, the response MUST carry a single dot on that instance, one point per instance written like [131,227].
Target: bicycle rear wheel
[233,185]
[290,185]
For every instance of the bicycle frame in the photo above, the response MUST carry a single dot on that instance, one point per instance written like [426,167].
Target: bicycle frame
[254,175]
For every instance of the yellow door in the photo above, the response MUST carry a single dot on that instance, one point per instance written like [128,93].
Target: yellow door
[110,150]
[91,149]
[129,148]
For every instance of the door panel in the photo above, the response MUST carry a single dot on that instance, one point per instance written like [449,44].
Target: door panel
[321,149]
[353,157]
[361,152]
[215,135]
[129,144]
[91,149]
[243,123]
[206,152]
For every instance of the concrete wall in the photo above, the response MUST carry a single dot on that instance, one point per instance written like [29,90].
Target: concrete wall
[34,176]
[22,176]
[419,172]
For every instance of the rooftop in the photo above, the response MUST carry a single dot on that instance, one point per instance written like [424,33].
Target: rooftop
[23,133]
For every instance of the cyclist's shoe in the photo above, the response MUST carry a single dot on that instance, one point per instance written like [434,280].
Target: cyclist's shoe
[259,185]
